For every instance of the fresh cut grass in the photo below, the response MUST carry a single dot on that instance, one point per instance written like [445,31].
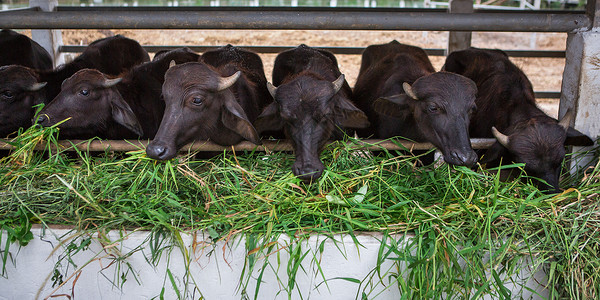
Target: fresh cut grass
[469,229]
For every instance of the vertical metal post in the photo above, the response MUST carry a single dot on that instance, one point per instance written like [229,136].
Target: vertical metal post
[459,40]
[581,78]
[49,39]
[593,12]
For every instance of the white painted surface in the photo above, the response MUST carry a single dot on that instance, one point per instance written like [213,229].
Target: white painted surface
[581,81]
[581,84]
[216,270]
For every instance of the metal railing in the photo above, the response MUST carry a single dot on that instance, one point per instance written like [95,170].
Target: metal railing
[293,18]
[277,18]
[267,145]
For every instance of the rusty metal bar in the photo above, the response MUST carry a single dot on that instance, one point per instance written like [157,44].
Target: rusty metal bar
[268,145]
[310,20]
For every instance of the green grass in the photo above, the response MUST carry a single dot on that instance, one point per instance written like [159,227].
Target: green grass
[470,229]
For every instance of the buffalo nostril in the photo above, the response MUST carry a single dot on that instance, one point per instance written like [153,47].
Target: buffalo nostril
[156,151]
[470,159]
[309,174]
[42,119]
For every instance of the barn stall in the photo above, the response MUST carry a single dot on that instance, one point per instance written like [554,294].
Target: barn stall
[240,225]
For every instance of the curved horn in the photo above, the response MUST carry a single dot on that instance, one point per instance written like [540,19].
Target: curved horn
[338,83]
[272,89]
[565,122]
[409,91]
[172,64]
[36,86]
[226,82]
[111,82]
[502,138]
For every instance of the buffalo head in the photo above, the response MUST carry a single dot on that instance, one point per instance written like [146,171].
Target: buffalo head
[90,103]
[539,144]
[200,105]
[309,109]
[19,92]
[441,105]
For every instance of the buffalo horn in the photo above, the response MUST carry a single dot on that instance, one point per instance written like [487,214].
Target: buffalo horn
[272,89]
[111,82]
[36,86]
[502,138]
[226,82]
[409,91]
[337,84]
[565,122]
[172,64]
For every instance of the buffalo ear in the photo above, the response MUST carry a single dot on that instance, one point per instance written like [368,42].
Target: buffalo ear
[234,118]
[122,114]
[493,153]
[576,138]
[269,119]
[392,106]
[349,116]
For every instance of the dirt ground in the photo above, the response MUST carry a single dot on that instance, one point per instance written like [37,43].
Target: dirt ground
[544,73]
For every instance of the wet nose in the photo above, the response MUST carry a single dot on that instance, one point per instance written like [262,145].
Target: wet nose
[42,120]
[156,151]
[551,185]
[462,158]
[307,173]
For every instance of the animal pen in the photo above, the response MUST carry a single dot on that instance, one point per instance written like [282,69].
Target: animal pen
[364,238]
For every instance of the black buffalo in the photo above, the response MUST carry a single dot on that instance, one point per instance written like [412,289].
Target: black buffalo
[216,99]
[312,103]
[506,110]
[129,107]
[22,87]
[18,49]
[399,90]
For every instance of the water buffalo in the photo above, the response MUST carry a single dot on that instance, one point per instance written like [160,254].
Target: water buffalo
[18,49]
[127,107]
[112,56]
[216,99]
[506,110]
[312,103]
[20,90]
[399,90]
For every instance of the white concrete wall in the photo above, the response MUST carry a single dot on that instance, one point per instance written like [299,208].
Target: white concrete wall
[215,270]
[581,86]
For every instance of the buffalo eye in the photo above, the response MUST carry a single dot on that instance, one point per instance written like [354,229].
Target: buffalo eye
[432,108]
[473,109]
[84,92]
[7,94]
[197,100]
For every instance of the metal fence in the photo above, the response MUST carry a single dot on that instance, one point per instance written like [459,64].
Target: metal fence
[274,18]
[308,18]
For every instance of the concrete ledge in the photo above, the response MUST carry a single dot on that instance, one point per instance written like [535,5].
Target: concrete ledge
[142,265]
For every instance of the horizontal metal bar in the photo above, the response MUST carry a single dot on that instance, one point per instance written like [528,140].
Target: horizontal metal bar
[268,145]
[299,8]
[309,20]
[536,53]
[247,8]
[335,50]
[547,95]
